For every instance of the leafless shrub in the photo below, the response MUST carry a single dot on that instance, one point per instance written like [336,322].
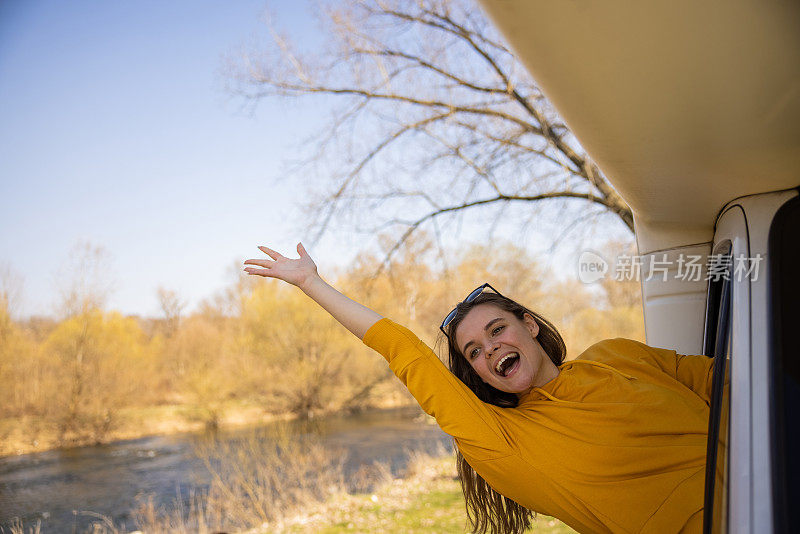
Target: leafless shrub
[420,461]
[102,524]
[180,518]
[370,476]
[255,480]
[18,528]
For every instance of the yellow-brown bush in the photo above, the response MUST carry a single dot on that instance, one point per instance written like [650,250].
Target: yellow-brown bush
[102,362]
[264,344]
[309,363]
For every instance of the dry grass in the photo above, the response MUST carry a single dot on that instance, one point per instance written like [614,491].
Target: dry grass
[17,527]
[256,480]
[180,518]
[100,524]
[426,499]
[266,485]
[381,509]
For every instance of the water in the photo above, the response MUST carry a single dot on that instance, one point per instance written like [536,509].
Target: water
[56,486]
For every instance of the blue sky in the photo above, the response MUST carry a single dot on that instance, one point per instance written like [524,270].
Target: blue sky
[116,129]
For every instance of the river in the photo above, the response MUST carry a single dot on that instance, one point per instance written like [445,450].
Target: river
[56,486]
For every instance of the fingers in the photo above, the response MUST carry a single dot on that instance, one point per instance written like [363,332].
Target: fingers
[260,263]
[301,250]
[269,252]
[259,272]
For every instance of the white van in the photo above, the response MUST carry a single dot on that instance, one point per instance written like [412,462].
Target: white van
[692,110]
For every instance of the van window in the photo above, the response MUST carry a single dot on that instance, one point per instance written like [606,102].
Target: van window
[784,317]
[717,344]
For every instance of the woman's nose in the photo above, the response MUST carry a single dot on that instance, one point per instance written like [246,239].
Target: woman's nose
[493,347]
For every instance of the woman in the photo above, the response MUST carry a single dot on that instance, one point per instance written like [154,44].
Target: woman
[613,441]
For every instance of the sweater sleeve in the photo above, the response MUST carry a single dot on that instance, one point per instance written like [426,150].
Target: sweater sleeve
[694,372]
[441,394]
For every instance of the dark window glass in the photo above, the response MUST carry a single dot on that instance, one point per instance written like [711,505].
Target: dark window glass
[784,309]
[720,511]
[717,344]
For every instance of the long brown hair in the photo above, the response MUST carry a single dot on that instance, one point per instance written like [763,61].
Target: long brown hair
[488,510]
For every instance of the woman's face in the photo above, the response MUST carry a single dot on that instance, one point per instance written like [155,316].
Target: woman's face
[503,350]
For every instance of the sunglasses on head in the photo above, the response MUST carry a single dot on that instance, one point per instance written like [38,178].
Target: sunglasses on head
[472,296]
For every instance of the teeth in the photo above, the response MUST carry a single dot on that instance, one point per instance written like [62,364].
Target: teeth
[504,358]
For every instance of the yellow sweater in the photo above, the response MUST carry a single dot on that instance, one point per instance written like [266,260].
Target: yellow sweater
[615,443]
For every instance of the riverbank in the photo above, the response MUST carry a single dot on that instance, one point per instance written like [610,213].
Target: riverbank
[231,479]
[427,499]
[31,434]
[35,434]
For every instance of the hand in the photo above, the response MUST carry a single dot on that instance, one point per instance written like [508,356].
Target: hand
[298,272]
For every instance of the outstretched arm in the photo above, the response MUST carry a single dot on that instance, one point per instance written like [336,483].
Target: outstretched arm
[457,410]
[303,273]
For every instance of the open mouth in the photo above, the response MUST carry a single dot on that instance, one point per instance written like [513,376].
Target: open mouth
[507,364]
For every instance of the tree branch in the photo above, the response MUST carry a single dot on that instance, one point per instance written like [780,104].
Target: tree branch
[452,80]
[414,225]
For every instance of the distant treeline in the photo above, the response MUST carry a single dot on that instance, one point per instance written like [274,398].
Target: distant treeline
[261,343]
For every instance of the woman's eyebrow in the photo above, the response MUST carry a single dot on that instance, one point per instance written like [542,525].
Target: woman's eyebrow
[485,328]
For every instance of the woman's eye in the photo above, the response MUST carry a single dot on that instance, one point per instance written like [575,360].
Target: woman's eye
[496,330]
[473,353]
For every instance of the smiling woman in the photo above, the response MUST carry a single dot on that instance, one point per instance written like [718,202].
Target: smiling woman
[613,441]
[509,349]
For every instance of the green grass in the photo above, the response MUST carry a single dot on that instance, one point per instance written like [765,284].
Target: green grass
[428,501]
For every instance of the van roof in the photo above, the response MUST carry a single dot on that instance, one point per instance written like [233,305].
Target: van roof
[684,104]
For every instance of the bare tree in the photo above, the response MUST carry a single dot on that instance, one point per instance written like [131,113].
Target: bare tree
[431,116]
[85,286]
[84,282]
[171,306]
[11,284]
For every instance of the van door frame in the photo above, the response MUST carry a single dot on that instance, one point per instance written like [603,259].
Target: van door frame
[732,226]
